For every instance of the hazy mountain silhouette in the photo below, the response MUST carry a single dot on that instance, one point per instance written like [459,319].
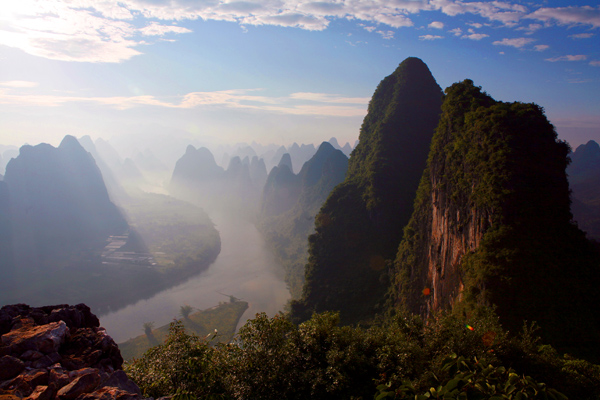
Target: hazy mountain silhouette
[197,178]
[58,201]
[290,203]
[360,225]
[584,180]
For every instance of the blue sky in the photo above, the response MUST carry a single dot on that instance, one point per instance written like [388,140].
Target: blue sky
[279,71]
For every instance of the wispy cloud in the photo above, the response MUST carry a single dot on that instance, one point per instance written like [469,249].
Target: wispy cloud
[541,47]
[582,36]
[430,37]
[475,36]
[386,34]
[115,30]
[579,57]
[595,63]
[516,42]
[302,103]
[584,15]
[19,84]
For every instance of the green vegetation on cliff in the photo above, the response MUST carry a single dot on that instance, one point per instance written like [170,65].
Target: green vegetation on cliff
[495,189]
[360,225]
[271,358]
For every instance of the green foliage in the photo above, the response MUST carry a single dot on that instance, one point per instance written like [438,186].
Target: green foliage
[271,358]
[471,379]
[179,365]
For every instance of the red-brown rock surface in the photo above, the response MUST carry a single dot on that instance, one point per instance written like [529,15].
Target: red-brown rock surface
[59,353]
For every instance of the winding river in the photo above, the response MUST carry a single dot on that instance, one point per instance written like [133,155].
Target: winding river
[245,268]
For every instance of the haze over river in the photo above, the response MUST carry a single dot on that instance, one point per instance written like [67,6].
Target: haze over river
[245,268]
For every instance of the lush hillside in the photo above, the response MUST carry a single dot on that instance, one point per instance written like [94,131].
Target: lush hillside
[360,225]
[492,225]
[289,206]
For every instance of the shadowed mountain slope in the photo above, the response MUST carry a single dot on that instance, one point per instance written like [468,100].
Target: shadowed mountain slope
[360,225]
[492,224]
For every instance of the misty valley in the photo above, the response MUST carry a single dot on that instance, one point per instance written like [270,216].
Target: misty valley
[451,252]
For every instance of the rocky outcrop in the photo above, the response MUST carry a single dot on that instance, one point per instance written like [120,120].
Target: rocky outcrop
[59,352]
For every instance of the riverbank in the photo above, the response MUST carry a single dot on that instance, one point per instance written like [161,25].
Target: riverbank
[220,321]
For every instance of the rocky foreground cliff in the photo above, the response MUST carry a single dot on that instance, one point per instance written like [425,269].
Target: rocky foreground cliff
[59,352]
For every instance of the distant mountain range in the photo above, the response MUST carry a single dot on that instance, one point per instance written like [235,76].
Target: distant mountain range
[584,179]
[290,203]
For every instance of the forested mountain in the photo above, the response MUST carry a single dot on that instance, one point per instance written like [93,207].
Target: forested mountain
[290,203]
[360,225]
[492,224]
[584,180]
[57,201]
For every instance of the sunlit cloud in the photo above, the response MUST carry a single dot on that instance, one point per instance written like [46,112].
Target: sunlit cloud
[541,47]
[321,103]
[155,29]
[19,84]
[114,30]
[516,42]
[595,63]
[579,57]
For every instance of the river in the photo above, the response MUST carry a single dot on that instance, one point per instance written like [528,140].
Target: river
[245,268]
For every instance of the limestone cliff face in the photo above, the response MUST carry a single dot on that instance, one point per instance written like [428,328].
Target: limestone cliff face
[452,235]
[492,224]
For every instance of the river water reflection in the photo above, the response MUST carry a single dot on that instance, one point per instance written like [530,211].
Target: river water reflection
[245,268]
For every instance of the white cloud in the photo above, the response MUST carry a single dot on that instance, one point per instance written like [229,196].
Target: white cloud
[530,29]
[109,30]
[595,63]
[386,34]
[541,47]
[19,84]
[319,103]
[475,36]
[516,42]
[430,37]
[456,31]
[584,15]
[582,36]
[579,57]
[368,28]
[155,29]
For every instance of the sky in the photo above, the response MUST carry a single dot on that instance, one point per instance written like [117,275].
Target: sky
[278,71]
